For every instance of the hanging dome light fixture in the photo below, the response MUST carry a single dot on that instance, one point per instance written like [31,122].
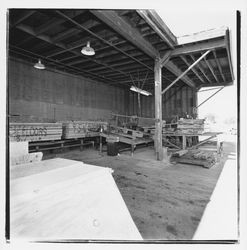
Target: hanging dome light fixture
[39,65]
[87,50]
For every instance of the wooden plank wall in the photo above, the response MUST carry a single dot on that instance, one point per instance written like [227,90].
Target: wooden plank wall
[176,101]
[48,96]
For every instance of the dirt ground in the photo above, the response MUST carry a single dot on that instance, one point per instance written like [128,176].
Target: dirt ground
[165,201]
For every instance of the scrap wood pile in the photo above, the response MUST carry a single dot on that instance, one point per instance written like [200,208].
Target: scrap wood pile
[195,157]
[35,131]
[78,129]
[190,126]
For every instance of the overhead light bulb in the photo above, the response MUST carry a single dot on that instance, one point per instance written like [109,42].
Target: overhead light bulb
[39,65]
[141,91]
[87,50]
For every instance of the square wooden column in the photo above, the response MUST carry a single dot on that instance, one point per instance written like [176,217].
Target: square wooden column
[158,110]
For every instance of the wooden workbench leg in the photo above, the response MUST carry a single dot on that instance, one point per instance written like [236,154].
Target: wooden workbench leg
[184,141]
[81,144]
[100,145]
[132,149]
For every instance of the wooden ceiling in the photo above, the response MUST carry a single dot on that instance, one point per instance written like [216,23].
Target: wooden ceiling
[126,43]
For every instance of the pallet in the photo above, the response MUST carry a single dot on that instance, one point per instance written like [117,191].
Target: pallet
[195,157]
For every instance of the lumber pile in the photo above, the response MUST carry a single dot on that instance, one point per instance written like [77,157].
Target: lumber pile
[190,126]
[80,129]
[195,157]
[35,131]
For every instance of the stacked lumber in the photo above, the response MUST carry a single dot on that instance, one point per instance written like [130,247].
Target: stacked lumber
[35,131]
[79,129]
[190,126]
[195,157]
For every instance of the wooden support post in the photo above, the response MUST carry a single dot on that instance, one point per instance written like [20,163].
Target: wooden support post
[158,110]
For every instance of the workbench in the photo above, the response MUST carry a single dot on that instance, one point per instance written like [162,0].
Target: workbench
[127,139]
[209,135]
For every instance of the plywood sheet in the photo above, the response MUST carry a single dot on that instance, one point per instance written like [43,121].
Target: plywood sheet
[76,202]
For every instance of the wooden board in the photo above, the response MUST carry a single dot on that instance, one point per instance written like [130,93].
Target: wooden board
[73,202]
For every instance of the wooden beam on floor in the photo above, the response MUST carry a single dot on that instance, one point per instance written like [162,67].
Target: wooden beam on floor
[158,110]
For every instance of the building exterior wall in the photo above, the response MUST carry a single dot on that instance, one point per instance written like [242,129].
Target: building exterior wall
[48,96]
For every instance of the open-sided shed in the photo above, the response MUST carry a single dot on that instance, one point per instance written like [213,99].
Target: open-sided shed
[132,47]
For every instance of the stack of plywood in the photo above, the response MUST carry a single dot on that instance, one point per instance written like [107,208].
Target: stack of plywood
[190,126]
[35,131]
[79,129]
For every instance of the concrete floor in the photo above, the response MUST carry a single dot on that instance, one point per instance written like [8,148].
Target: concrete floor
[165,201]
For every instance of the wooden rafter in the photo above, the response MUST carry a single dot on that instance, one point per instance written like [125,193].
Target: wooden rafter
[219,66]
[200,68]
[211,69]
[30,31]
[177,72]
[23,17]
[193,69]
[112,19]
[187,70]
[88,74]
[158,26]
[197,48]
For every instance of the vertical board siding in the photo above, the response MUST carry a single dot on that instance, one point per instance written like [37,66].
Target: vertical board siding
[176,101]
[43,95]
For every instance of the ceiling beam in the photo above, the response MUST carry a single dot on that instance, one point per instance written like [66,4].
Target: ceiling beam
[100,38]
[193,69]
[117,23]
[88,74]
[227,41]
[30,31]
[211,69]
[157,24]
[23,17]
[185,72]
[200,68]
[197,48]
[177,72]
[219,66]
